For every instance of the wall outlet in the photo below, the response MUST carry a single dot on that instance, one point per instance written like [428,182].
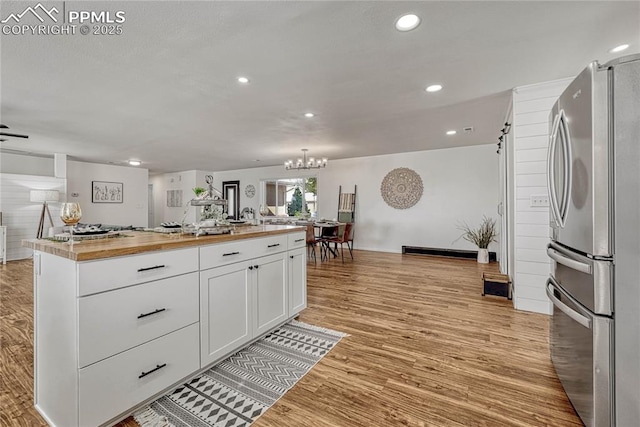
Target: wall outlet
[539,201]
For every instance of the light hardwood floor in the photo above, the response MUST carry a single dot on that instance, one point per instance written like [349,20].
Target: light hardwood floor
[425,349]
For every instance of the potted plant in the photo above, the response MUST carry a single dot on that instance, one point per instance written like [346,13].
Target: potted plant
[199,191]
[481,237]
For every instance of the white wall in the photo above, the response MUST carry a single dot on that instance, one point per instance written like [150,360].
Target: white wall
[20,215]
[531,107]
[133,210]
[184,181]
[460,184]
[26,164]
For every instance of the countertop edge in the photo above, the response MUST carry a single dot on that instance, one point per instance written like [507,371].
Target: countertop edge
[61,249]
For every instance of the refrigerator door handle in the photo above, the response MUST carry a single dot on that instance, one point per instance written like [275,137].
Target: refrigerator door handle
[578,317]
[571,263]
[551,176]
[568,166]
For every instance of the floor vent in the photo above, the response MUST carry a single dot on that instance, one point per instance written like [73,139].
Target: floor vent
[449,253]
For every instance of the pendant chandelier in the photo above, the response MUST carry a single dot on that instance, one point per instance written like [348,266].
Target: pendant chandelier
[305,163]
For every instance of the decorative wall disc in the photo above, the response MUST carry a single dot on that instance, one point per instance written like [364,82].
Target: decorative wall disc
[250,191]
[401,188]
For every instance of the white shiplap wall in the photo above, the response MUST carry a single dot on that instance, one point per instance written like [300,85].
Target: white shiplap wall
[531,107]
[20,215]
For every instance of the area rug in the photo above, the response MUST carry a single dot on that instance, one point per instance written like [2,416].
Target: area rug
[238,390]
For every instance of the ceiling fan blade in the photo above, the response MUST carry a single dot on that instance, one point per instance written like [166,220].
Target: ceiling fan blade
[15,135]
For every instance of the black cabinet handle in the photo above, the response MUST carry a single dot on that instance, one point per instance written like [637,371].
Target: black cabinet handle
[250,267]
[256,266]
[151,268]
[291,256]
[298,240]
[274,245]
[159,310]
[231,253]
[158,367]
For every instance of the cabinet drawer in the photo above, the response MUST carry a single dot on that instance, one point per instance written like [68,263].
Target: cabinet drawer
[226,253]
[297,240]
[114,321]
[113,273]
[270,245]
[110,387]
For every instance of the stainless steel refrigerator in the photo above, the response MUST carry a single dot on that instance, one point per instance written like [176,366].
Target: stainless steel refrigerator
[594,192]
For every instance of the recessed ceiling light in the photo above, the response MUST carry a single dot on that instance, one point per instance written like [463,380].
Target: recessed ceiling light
[451,132]
[434,88]
[243,80]
[619,48]
[309,115]
[407,22]
[135,162]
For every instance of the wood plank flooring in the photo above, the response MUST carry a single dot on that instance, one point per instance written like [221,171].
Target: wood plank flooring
[425,349]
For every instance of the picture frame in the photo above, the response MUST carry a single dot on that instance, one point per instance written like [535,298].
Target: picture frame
[107,192]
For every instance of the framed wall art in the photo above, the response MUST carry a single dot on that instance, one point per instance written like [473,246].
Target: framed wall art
[106,192]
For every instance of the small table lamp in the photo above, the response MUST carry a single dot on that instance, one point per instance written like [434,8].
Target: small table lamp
[43,196]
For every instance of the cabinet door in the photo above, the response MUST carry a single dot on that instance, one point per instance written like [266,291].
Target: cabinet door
[271,291]
[226,313]
[297,281]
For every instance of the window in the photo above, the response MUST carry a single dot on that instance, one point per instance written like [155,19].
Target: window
[289,197]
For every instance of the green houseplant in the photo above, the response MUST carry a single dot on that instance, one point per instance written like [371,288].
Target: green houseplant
[481,236]
[198,191]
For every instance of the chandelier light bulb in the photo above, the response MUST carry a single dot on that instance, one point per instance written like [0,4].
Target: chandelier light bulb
[306,162]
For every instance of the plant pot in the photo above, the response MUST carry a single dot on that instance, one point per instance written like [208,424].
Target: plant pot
[483,256]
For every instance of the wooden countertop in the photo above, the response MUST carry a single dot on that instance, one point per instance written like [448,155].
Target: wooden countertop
[137,242]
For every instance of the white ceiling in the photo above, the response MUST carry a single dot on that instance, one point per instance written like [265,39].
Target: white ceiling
[165,90]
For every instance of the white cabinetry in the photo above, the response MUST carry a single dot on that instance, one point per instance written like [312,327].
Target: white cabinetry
[112,386]
[92,348]
[110,334]
[240,302]
[270,275]
[297,281]
[226,310]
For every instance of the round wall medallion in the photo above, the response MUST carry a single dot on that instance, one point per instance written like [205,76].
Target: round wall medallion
[401,188]
[250,191]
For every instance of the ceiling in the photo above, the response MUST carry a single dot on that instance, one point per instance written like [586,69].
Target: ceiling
[165,91]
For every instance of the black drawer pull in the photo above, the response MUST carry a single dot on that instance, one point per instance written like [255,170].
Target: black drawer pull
[158,367]
[251,267]
[160,310]
[298,240]
[231,253]
[256,267]
[291,256]
[151,268]
[274,245]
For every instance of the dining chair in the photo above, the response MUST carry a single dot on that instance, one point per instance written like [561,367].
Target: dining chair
[312,241]
[344,233]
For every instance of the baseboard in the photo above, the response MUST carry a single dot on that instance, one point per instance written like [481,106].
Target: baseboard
[449,253]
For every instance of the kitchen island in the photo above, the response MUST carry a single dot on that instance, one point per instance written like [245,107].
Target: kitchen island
[120,321]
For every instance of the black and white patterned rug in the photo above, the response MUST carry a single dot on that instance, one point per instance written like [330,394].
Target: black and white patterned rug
[238,390]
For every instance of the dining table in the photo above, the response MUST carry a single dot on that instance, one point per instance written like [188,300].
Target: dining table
[326,230]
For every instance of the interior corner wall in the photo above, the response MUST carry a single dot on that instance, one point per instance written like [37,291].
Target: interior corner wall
[182,181]
[20,215]
[460,185]
[531,107]
[134,208]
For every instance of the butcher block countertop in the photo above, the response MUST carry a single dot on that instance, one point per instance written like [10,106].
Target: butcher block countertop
[136,242]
